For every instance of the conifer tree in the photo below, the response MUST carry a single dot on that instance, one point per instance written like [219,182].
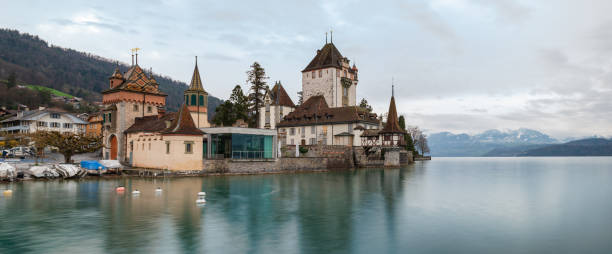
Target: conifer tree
[256,76]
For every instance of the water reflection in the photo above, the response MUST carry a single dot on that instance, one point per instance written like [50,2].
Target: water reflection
[428,207]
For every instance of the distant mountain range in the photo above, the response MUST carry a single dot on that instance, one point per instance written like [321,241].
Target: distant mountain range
[36,62]
[521,142]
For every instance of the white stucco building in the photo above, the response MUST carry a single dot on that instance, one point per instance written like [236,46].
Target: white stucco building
[43,120]
[277,104]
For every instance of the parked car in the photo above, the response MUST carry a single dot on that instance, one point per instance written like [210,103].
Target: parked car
[20,151]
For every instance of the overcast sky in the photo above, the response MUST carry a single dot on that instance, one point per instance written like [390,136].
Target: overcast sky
[459,65]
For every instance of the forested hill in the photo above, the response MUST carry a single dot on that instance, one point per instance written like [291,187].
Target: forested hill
[34,61]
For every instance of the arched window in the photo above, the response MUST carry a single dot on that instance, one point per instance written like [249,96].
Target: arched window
[201,100]
[193,100]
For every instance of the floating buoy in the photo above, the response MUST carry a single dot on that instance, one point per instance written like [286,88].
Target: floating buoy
[120,189]
[7,192]
[158,189]
[201,193]
[136,192]
[200,201]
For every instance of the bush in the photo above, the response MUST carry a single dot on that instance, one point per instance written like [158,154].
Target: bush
[303,149]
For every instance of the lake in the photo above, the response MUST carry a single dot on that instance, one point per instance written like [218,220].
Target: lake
[447,205]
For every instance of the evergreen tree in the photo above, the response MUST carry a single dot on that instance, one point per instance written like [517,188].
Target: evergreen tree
[256,76]
[224,115]
[364,104]
[407,137]
[240,104]
[11,81]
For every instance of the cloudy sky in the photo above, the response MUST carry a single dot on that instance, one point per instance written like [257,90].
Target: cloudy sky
[458,65]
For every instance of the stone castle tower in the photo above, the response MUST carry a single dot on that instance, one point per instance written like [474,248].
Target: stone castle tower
[130,95]
[196,99]
[330,74]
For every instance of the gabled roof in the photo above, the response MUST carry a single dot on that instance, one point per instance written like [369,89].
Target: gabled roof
[183,124]
[136,80]
[153,123]
[392,125]
[279,96]
[196,81]
[328,56]
[316,111]
[34,115]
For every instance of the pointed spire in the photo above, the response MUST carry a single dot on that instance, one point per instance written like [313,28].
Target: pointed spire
[325,37]
[331,36]
[392,125]
[196,81]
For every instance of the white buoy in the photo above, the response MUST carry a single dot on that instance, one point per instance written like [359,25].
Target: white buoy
[201,193]
[200,201]
[158,189]
[136,192]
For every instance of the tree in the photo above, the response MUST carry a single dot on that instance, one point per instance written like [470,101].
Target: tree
[224,115]
[11,81]
[422,144]
[300,98]
[407,137]
[364,104]
[256,76]
[240,103]
[68,144]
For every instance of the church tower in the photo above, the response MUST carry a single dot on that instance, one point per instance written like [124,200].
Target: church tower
[196,99]
[330,74]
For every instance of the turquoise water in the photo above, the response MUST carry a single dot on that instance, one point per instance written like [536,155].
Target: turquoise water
[448,205]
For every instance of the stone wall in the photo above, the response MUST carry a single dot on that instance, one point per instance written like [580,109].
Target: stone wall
[274,166]
[392,158]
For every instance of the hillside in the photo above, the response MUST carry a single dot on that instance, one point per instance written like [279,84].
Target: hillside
[482,144]
[584,147]
[84,75]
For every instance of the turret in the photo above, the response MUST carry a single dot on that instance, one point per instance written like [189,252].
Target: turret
[115,79]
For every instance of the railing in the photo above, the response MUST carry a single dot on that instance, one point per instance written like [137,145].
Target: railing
[247,155]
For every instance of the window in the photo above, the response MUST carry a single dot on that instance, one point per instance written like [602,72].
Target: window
[312,129]
[344,91]
[201,100]
[344,73]
[313,74]
[313,141]
[350,128]
[188,147]
[143,146]
[337,73]
[149,146]
[292,143]
[55,124]
[149,109]
[292,132]
[193,100]
[103,118]
[55,115]
[167,147]
[135,108]
[320,73]
[42,124]
[110,120]
[186,100]
[67,126]
[267,107]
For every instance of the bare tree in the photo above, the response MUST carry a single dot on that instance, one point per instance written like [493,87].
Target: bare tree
[422,144]
[68,143]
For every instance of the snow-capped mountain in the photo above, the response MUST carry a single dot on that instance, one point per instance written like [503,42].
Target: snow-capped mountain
[449,144]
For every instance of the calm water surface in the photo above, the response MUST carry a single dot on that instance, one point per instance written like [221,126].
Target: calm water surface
[448,205]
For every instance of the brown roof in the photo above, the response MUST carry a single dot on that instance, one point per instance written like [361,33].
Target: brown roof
[136,80]
[154,123]
[183,124]
[392,125]
[317,106]
[280,97]
[328,56]
[370,133]
[196,81]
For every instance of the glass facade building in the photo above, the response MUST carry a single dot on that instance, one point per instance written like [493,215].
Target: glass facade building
[243,145]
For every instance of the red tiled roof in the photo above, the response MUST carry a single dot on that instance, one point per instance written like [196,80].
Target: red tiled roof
[137,81]
[280,97]
[183,124]
[317,106]
[328,56]
[392,125]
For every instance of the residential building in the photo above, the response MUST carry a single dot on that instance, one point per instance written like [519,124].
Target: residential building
[94,125]
[31,121]
[277,104]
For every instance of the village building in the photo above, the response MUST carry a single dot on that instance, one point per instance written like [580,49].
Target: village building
[170,141]
[94,125]
[277,104]
[130,95]
[43,119]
